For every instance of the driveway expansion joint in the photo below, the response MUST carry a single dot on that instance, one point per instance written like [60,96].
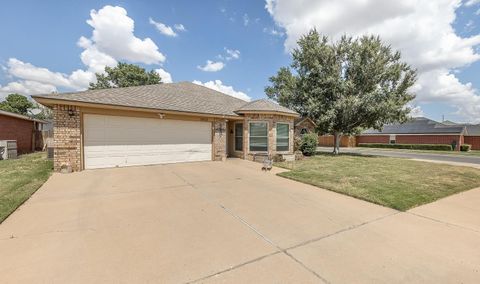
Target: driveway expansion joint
[442,222]
[253,229]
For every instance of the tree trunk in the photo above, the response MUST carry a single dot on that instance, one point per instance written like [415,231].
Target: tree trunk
[336,143]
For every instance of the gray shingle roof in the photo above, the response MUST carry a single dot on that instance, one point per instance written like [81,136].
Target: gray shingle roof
[419,125]
[264,105]
[472,130]
[182,96]
[11,114]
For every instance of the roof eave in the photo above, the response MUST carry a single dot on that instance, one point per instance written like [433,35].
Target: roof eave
[267,112]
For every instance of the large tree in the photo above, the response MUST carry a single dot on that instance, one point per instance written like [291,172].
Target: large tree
[16,103]
[345,86]
[125,75]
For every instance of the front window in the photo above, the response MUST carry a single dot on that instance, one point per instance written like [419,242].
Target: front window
[258,136]
[282,137]
[238,136]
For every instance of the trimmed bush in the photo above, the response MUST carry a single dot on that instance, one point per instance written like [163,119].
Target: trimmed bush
[308,146]
[438,147]
[465,147]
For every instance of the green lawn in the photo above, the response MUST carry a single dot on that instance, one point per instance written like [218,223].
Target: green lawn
[20,178]
[397,183]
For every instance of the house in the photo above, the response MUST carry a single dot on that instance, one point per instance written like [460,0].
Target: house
[304,125]
[165,123]
[419,130]
[21,128]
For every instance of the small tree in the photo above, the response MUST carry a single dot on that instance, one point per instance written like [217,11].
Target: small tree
[125,75]
[16,103]
[346,86]
[309,143]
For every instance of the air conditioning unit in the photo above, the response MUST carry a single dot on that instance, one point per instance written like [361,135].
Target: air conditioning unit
[8,149]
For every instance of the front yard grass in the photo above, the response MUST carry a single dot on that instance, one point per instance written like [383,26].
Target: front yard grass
[397,183]
[20,178]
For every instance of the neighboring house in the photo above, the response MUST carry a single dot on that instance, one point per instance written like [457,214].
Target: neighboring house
[166,123]
[304,125]
[419,130]
[21,128]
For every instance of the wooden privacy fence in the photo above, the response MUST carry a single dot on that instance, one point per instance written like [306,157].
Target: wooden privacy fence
[43,139]
[345,141]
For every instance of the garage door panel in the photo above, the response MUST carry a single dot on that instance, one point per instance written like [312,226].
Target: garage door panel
[112,141]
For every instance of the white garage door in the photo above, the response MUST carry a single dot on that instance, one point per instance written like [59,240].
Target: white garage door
[118,141]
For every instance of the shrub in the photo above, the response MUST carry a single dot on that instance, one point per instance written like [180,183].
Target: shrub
[308,146]
[465,147]
[438,147]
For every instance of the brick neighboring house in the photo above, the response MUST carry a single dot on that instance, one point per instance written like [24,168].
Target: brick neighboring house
[165,123]
[420,130]
[22,128]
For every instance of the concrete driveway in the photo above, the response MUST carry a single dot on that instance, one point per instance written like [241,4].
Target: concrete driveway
[229,222]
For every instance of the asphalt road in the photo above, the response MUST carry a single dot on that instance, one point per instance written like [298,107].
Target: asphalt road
[447,158]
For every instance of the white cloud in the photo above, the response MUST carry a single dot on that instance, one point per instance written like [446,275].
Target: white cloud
[478,12]
[26,88]
[166,77]
[273,32]
[212,66]
[217,85]
[246,19]
[472,2]
[162,28]
[180,27]
[422,30]
[113,35]
[232,54]
[112,40]
[416,111]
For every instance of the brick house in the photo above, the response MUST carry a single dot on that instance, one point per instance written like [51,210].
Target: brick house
[304,125]
[21,128]
[419,130]
[165,123]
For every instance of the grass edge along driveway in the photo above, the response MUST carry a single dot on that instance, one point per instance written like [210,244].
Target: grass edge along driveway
[20,178]
[392,182]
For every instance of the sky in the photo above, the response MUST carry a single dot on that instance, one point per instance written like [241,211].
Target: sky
[235,46]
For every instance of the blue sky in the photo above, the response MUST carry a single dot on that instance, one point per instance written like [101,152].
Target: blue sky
[40,50]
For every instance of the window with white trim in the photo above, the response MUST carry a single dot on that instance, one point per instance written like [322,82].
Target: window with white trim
[258,140]
[238,136]
[282,136]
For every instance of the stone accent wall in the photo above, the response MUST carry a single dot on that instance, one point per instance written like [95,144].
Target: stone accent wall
[66,138]
[219,140]
[272,121]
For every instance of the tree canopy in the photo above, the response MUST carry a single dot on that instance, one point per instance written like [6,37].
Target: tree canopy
[345,86]
[16,103]
[125,75]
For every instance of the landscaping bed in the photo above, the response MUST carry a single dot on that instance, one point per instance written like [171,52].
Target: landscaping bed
[397,183]
[20,178]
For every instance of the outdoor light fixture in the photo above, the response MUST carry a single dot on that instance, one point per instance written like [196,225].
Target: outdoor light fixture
[71,112]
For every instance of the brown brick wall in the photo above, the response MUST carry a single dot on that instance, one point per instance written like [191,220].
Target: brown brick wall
[272,121]
[373,139]
[474,141]
[12,128]
[219,140]
[66,137]
[429,139]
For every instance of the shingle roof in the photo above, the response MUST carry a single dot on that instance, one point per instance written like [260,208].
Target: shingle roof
[11,114]
[472,129]
[182,96]
[264,105]
[419,125]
